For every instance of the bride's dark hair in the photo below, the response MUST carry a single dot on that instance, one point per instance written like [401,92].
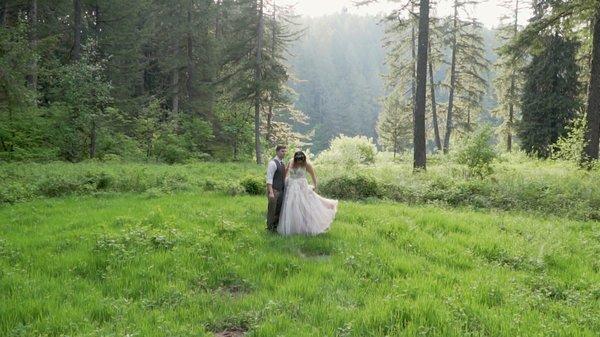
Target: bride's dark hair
[299,159]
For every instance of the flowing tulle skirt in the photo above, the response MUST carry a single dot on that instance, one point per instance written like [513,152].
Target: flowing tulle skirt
[303,211]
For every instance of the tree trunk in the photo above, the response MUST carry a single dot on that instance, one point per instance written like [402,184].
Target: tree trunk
[270,111]
[77,30]
[511,105]
[258,80]
[420,151]
[218,25]
[4,14]
[175,91]
[413,52]
[175,88]
[452,80]
[190,56]
[511,117]
[593,109]
[32,77]
[269,124]
[93,139]
[149,146]
[235,150]
[208,77]
[468,119]
[436,128]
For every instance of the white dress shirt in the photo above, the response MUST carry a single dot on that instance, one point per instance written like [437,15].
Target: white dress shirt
[271,168]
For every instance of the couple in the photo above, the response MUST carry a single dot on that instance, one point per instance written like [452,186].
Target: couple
[294,207]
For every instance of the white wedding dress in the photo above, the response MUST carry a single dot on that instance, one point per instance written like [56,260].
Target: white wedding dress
[303,211]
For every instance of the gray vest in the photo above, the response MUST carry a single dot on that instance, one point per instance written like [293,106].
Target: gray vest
[279,176]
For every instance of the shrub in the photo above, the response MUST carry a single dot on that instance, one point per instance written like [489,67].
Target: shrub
[253,185]
[209,185]
[12,192]
[112,158]
[55,186]
[98,180]
[477,153]
[349,151]
[571,146]
[347,187]
[153,192]
[133,180]
[234,189]
[116,147]
[172,182]
[199,158]
[172,153]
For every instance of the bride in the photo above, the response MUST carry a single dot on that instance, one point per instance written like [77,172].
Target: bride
[304,211]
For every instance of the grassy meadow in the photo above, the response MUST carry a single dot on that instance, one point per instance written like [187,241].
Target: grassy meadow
[175,256]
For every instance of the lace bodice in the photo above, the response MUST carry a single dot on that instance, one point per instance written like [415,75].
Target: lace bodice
[297,173]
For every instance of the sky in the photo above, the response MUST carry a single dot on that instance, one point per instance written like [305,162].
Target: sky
[489,12]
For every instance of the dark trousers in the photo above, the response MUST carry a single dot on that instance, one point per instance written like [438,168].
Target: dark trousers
[274,209]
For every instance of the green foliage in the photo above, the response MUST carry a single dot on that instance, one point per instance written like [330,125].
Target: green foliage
[518,183]
[237,133]
[119,147]
[549,102]
[24,134]
[394,126]
[509,82]
[198,134]
[80,99]
[163,140]
[148,127]
[169,148]
[471,69]
[22,130]
[349,151]
[253,185]
[477,152]
[149,87]
[570,147]
[22,182]
[351,187]
[15,58]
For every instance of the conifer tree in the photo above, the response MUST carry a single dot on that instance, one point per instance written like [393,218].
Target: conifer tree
[510,63]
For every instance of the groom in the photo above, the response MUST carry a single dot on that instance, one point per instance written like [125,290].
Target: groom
[275,187]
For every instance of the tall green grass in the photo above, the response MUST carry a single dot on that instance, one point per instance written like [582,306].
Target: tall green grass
[26,181]
[193,264]
[517,183]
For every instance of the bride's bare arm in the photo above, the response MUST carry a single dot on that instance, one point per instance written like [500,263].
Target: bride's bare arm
[287,169]
[313,176]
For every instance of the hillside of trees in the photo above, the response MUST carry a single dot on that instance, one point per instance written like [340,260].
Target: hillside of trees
[229,79]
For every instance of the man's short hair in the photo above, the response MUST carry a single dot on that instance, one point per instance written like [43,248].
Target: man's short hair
[280,147]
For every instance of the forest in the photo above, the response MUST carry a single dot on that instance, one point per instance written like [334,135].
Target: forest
[144,79]
[91,79]
[459,161]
